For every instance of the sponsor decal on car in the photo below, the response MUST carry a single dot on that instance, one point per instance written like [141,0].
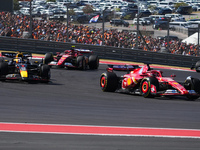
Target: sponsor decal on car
[171,91]
[68,64]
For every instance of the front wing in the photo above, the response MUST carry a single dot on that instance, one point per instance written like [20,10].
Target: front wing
[13,55]
[18,77]
[174,92]
[66,64]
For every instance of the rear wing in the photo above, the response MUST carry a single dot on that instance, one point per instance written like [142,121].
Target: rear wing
[123,67]
[84,51]
[13,55]
[27,54]
[7,54]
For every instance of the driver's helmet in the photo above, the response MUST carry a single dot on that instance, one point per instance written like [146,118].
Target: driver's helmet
[66,51]
[72,48]
[17,60]
[155,74]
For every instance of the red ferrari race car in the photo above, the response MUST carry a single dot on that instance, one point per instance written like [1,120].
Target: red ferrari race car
[73,58]
[148,82]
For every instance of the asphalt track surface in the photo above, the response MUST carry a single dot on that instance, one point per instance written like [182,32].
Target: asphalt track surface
[74,97]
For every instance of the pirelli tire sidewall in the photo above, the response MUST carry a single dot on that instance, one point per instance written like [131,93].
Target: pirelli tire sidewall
[48,58]
[145,87]
[81,63]
[3,68]
[109,82]
[45,72]
[93,62]
[192,84]
[197,66]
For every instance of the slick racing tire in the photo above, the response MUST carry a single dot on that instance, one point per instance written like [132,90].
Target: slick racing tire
[149,87]
[81,64]
[1,59]
[45,72]
[93,62]
[197,66]
[109,82]
[3,68]
[192,84]
[48,58]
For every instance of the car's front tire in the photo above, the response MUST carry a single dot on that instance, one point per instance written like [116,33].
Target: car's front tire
[149,87]
[45,72]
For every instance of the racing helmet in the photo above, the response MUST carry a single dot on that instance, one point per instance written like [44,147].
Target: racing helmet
[72,48]
[17,60]
[66,51]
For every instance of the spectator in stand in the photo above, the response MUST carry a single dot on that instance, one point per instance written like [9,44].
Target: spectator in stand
[17,25]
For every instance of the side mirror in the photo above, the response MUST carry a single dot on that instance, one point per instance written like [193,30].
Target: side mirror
[109,69]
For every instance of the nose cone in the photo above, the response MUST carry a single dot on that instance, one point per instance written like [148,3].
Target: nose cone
[24,74]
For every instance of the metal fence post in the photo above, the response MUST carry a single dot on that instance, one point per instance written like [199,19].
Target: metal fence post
[198,41]
[31,20]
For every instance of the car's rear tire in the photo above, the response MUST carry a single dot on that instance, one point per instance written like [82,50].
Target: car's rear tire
[108,82]
[197,66]
[81,64]
[192,84]
[48,58]
[147,85]
[93,62]
[45,72]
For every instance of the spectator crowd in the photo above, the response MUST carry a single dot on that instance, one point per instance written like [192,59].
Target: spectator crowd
[17,25]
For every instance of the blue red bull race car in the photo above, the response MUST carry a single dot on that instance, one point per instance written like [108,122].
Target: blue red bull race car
[17,66]
[148,82]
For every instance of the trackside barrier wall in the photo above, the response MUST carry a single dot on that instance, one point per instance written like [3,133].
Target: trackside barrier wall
[104,52]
